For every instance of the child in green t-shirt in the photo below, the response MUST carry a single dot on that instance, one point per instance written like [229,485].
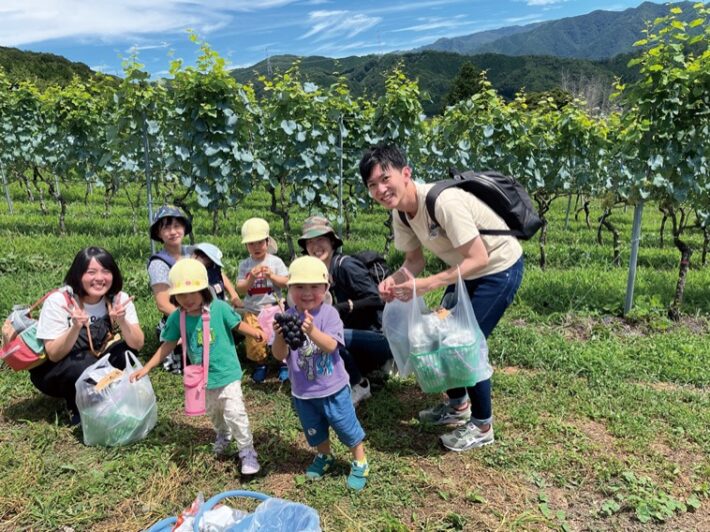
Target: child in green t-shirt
[189,291]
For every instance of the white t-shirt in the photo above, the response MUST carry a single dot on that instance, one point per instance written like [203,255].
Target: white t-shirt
[460,216]
[55,319]
[263,293]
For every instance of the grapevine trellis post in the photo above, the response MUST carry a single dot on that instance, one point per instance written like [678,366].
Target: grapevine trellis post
[7,189]
[569,208]
[340,179]
[635,239]
[146,164]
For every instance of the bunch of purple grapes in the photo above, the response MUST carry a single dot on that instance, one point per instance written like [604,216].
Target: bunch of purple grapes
[291,329]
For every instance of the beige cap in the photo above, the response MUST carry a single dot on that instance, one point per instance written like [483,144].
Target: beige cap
[307,270]
[256,229]
[188,275]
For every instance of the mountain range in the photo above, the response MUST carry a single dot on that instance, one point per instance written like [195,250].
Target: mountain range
[435,72]
[596,35]
[588,49]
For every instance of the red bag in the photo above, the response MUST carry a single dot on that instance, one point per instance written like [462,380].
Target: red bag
[21,349]
[19,355]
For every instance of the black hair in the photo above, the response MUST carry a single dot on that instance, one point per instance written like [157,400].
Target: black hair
[168,220]
[81,264]
[203,255]
[206,293]
[386,155]
[334,241]
[331,236]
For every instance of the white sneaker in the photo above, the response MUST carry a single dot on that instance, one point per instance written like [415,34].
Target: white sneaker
[221,444]
[360,392]
[250,465]
[467,437]
[443,414]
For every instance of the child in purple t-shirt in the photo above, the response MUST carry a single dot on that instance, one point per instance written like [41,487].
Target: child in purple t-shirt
[319,383]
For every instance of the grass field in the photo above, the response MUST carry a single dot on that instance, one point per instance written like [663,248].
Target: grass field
[602,422]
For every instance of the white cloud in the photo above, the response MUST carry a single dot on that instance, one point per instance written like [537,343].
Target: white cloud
[352,48]
[544,2]
[527,19]
[413,6]
[435,23]
[106,69]
[262,46]
[41,20]
[338,24]
[138,47]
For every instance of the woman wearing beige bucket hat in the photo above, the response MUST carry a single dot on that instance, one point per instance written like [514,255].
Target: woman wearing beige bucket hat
[260,282]
[357,300]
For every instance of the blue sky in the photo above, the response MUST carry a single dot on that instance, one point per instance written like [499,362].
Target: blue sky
[101,32]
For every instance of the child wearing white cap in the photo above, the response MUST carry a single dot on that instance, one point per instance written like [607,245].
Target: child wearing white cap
[211,257]
[260,281]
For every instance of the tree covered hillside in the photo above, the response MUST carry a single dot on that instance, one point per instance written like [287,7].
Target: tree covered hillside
[437,70]
[43,69]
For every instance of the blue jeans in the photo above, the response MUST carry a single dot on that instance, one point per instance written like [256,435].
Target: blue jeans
[365,351]
[490,297]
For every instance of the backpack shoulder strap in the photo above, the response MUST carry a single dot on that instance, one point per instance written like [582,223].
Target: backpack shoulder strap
[430,201]
[403,217]
[440,186]
[433,195]
[164,256]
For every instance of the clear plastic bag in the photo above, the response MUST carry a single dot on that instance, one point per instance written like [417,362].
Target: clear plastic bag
[115,411]
[278,515]
[395,316]
[447,348]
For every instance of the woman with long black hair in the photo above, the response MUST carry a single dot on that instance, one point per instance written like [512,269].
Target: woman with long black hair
[78,324]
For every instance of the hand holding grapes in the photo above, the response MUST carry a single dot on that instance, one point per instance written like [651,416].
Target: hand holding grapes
[290,327]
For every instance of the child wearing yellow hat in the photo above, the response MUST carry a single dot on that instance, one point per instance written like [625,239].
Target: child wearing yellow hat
[319,383]
[189,292]
[260,280]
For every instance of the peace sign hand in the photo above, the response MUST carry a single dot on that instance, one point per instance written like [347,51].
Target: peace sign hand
[118,310]
[77,316]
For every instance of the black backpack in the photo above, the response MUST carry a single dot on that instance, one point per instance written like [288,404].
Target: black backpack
[502,193]
[374,262]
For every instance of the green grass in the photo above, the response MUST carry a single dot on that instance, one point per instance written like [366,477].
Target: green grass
[601,421]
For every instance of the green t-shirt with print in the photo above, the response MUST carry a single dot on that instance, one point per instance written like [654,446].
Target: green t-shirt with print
[224,364]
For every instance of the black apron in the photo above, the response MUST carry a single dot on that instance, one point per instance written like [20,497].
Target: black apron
[58,379]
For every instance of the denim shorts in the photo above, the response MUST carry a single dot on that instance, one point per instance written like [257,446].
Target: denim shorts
[335,411]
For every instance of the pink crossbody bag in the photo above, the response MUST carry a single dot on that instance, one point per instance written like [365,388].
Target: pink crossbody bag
[194,376]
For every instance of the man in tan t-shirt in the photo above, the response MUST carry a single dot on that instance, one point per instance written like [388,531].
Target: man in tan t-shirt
[492,267]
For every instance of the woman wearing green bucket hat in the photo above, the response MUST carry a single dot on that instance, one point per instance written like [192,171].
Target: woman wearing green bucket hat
[356,297]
